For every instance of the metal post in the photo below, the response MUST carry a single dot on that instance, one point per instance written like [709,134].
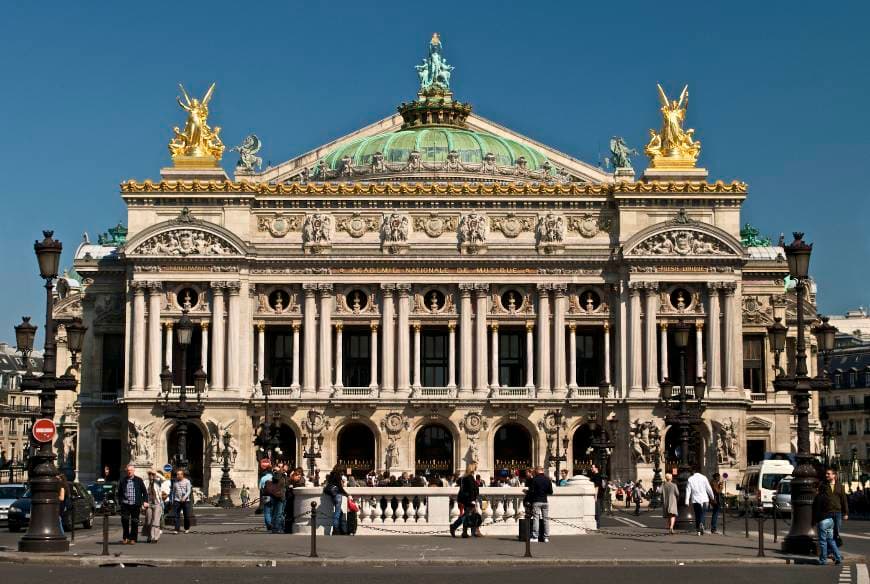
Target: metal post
[746,513]
[775,513]
[105,529]
[761,535]
[72,521]
[527,536]
[313,553]
[724,504]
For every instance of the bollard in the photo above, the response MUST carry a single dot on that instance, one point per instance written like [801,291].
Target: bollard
[775,513]
[72,522]
[525,524]
[746,516]
[313,553]
[724,512]
[761,535]
[105,530]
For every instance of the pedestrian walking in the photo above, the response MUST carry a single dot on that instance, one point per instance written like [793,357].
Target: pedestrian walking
[132,496]
[154,510]
[275,490]
[670,492]
[698,494]
[466,500]
[63,498]
[539,490]
[637,494]
[833,502]
[182,491]
[245,496]
[335,490]
[716,502]
[265,500]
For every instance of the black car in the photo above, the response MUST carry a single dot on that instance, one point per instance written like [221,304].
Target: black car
[83,505]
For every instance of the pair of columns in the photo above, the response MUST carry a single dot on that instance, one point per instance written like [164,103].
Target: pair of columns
[145,342]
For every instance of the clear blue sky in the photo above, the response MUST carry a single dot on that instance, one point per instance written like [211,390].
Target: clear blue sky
[780,92]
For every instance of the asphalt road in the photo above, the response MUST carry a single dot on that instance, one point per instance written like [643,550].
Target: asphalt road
[323,575]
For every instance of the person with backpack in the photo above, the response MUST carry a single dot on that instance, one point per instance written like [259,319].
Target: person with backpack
[275,490]
[335,491]
[466,499]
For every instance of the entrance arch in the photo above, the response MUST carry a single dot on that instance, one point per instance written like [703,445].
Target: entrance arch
[195,450]
[356,449]
[433,451]
[287,444]
[512,448]
[583,457]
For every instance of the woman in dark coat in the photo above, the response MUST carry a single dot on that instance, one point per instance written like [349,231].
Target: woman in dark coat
[466,499]
[669,502]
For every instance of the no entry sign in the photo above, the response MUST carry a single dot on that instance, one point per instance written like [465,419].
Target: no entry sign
[44,430]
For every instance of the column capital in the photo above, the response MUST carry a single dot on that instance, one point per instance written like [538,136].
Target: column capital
[634,288]
[572,326]
[560,289]
[296,326]
[544,287]
[481,289]
[606,326]
[374,325]
[451,325]
[261,327]
[388,289]
[494,325]
[417,326]
[169,325]
[234,287]
[465,289]
[325,289]
[339,326]
[309,289]
[155,287]
[663,325]
[404,289]
[203,325]
[139,286]
[730,288]
[530,326]
[699,325]
[715,286]
[217,285]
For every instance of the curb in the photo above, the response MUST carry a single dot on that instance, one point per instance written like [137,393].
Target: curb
[112,561]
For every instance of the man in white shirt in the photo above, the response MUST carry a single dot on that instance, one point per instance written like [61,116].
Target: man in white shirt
[698,494]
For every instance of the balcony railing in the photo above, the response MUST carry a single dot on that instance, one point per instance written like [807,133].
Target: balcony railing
[758,397]
[586,391]
[355,392]
[513,392]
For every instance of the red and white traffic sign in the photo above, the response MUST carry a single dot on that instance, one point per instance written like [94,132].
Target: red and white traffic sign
[44,430]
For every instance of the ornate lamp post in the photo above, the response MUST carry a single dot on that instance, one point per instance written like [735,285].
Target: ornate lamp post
[602,437]
[312,451]
[43,534]
[182,412]
[656,450]
[801,537]
[225,500]
[683,419]
[553,444]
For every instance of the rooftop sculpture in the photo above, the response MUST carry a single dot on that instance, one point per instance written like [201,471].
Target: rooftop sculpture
[673,147]
[198,145]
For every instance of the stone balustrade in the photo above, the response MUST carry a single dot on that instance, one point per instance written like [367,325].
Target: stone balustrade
[419,510]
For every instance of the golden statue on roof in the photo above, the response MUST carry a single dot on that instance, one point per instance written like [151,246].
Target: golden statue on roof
[197,144]
[673,147]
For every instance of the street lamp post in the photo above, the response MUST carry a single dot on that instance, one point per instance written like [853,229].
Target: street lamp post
[553,444]
[655,447]
[801,537]
[312,451]
[182,412]
[225,500]
[683,419]
[43,534]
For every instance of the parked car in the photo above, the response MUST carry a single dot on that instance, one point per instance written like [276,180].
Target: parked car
[83,505]
[759,485]
[782,498]
[8,495]
[103,494]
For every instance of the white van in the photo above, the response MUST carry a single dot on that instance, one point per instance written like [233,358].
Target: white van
[759,484]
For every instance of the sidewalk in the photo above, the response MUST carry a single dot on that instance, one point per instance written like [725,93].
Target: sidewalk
[231,544]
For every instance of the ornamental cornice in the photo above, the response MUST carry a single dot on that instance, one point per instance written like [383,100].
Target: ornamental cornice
[418,188]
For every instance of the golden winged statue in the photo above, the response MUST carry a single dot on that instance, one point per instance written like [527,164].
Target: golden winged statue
[673,147]
[197,143]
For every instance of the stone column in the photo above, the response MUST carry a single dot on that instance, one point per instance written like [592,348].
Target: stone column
[607,353]
[730,323]
[493,374]
[635,378]
[572,356]
[389,327]
[139,347]
[544,360]
[203,354]
[530,354]
[167,357]
[373,371]
[714,336]
[664,345]
[234,355]
[466,365]
[155,342]
[418,339]
[559,308]
[737,355]
[403,354]
[652,369]
[295,380]
[451,354]
[261,351]
[339,355]
[619,295]
[699,350]
[218,362]
[325,384]
[481,291]
[309,329]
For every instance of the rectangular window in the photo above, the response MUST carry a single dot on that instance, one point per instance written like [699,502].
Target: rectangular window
[113,365]
[838,427]
[853,378]
[851,400]
[838,379]
[753,363]
[867,425]
[853,428]
[357,358]
[434,357]
[511,358]
[589,359]
[279,354]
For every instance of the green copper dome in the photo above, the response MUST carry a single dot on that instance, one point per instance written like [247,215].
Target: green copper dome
[434,144]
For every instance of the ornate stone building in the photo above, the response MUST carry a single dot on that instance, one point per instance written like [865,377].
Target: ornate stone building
[427,291]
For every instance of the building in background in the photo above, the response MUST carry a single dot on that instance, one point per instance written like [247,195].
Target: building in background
[18,408]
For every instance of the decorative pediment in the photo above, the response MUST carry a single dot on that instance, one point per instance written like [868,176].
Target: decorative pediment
[755,423]
[187,237]
[683,237]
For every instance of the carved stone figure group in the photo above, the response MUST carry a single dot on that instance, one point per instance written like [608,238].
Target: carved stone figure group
[183,242]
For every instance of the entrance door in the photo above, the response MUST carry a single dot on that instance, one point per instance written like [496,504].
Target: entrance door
[433,451]
[110,455]
[356,449]
[755,451]
[512,448]
[582,450]
[287,444]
